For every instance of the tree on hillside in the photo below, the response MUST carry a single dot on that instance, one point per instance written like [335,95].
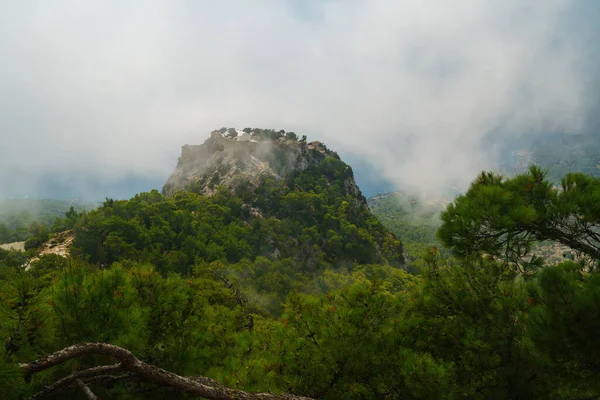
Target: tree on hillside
[6,234]
[564,325]
[504,217]
[38,234]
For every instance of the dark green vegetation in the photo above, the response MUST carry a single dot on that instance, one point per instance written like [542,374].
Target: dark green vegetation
[294,286]
[272,238]
[505,217]
[23,218]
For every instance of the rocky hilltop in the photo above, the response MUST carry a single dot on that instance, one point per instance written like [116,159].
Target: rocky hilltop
[300,195]
[231,156]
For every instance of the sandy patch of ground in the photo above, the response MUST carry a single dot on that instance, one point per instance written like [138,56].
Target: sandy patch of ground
[59,244]
[18,246]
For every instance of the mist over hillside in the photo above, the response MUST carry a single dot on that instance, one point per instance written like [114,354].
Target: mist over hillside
[92,187]
[558,152]
[20,217]
[408,88]
[300,200]
[84,185]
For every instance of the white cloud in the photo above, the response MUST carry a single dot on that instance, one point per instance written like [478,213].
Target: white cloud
[116,87]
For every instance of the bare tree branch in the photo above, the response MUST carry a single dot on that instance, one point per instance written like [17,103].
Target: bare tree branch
[108,378]
[197,386]
[68,381]
[88,392]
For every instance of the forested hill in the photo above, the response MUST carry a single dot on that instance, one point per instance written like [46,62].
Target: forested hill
[262,297]
[285,285]
[271,231]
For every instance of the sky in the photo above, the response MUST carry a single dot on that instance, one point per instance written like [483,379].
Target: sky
[97,97]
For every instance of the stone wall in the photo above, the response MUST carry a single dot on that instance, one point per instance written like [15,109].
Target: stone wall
[190,149]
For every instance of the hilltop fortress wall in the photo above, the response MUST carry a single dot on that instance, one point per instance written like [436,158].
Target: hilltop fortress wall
[235,148]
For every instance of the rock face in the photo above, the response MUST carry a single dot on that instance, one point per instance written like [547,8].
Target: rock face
[59,244]
[230,156]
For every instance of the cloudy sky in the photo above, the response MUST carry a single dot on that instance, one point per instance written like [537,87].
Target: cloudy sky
[97,93]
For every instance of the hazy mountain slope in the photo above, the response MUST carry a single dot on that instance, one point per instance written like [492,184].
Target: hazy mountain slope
[559,153]
[416,223]
[17,214]
[413,220]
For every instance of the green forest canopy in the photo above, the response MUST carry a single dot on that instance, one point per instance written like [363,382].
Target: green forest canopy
[296,288]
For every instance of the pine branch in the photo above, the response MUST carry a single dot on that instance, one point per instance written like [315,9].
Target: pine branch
[197,386]
[68,381]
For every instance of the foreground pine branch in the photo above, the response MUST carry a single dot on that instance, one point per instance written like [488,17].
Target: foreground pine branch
[86,375]
[128,363]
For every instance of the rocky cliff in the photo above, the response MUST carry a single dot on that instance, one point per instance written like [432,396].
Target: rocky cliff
[302,194]
[230,156]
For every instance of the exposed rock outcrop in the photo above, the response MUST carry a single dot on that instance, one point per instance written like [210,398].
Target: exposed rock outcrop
[59,244]
[227,157]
